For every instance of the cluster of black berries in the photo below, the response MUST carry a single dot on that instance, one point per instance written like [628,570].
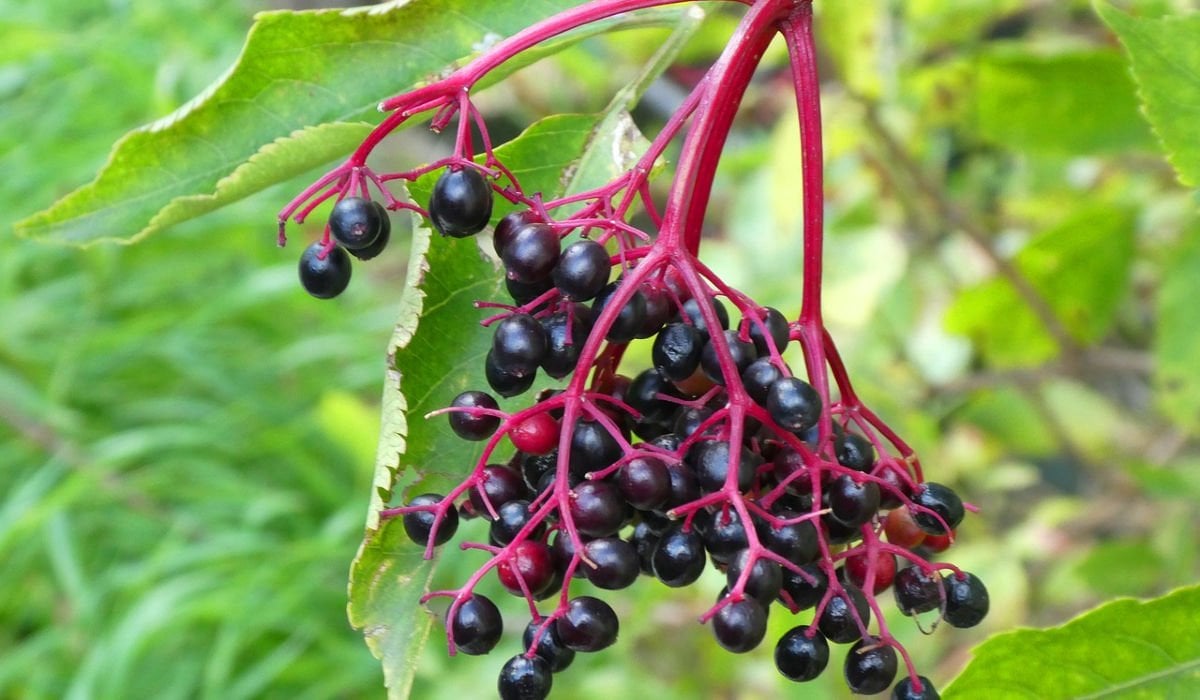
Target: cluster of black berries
[715,455]
[359,227]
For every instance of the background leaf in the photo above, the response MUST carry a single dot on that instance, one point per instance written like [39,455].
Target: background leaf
[1166,64]
[1123,649]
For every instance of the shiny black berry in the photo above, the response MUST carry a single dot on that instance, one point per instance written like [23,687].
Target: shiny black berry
[616,563]
[511,517]
[507,226]
[677,349]
[709,459]
[531,254]
[793,404]
[593,448]
[419,524]
[870,667]
[355,223]
[725,536]
[679,558]
[524,678]
[473,427]
[461,203]
[851,502]
[777,330]
[802,654]
[628,321]
[916,590]
[644,482]
[966,600]
[941,500]
[854,451]
[837,621]
[741,352]
[741,626]
[691,309]
[476,625]
[381,241]
[499,485]
[519,344]
[324,279]
[905,690]
[807,589]
[565,336]
[596,508]
[589,624]
[549,647]
[504,382]
[582,270]
[758,378]
[764,580]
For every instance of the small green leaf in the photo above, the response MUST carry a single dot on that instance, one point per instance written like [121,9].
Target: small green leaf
[1069,103]
[1166,65]
[1177,343]
[1123,649]
[1080,269]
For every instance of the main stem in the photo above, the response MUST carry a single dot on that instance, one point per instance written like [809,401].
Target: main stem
[705,140]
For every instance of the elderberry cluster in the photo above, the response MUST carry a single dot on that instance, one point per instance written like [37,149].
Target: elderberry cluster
[658,478]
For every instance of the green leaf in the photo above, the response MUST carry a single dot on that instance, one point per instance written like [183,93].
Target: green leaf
[1166,65]
[1068,103]
[1177,343]
[1080,269]
[300,95]
[1123,649]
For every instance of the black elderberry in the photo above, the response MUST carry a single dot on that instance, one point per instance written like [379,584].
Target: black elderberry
[524,678]
[563,345]
[966,600]
[476,625]
[461,203]
[805,589]
[793,404]
[740,627]
[644,539]
[941,500]
[473,427]
[582,270]
[381,241]
[796,542]
[689,420]
[853,503]
[324,279]
[628,321]
[777,330]
[419,524]
[802,654]
[549,647]
[905,690]
[616,563]
[589,624]
[679,559]
[725,536]
[854,451]
[659,310]
[837,621]
[644,482]
[596,508]
[519,344]
[511,517]
[764,580]
[642,396]
[504,382]
[676,351]
[758,378]
[531,254]
[593,448]
[507,226]
[691,309]
[499,485]
[870,667]
[916,590]
[709,459]
[740,351]
[533,467]
[525,292]
[354,223]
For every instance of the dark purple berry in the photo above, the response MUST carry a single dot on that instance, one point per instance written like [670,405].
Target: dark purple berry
[802,654]
[644,482]
[381,241]
[805,591]
[519,344]
[500,485]
[473,427]
[616,563]
[916,590]
[592,448]
[725,536]
[758,378]
[764,580]
[511,517]
[870,667]
[966,600]
[355,223]
[628,321]
[854,451]
[419,524]
[740,627]
[905,690]
[777,330]
[531,254]
[588,624]
[741,352]
[504,382]
[524,678]
[679,559]
[941,500]
[676,351]
[837,621]
[562,351]
[324,279]
[549,647]
[796,542]
[691,309]
[476,625]
[596,508]
[461,203]
[644,539]
[853,503]
[582,270]
[507,226]
[710,460]
[793,404]
[659,308]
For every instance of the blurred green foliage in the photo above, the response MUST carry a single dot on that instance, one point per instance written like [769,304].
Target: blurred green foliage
[186,438]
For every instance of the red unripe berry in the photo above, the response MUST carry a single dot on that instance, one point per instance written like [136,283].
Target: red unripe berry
[858,564]
[536,435]
[902,530]
[531,561]
[938,543]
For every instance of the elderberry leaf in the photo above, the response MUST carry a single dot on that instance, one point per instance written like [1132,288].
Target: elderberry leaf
[1123,649]
[1079,102]
[1166,65]
[1079,281]
[303,92]
[1177,339]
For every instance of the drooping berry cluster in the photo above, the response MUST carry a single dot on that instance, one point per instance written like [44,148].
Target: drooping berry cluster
[719,456]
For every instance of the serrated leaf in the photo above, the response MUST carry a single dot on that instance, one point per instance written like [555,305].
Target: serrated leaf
[300,95]
[1069,103]
[1123,649]
[1080,269]
[1166,65]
